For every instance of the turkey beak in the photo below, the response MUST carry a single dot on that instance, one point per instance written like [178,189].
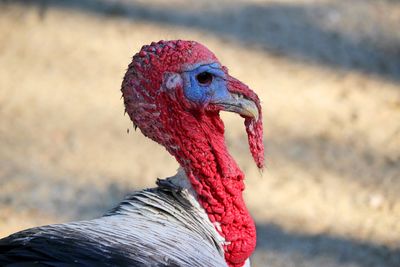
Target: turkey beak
[242,100]
[237,103]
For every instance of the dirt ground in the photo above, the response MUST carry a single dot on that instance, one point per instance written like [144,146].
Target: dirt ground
[328,74]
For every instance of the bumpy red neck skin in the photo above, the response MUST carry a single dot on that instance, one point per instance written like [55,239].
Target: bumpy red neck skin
[217,179]
[195,136]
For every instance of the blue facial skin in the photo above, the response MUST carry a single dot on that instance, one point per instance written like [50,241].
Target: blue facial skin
[213,92]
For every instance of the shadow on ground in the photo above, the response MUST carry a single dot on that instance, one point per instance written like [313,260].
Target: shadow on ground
[343,251]
[302,37]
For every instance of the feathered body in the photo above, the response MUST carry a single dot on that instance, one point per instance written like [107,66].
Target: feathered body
[173,91]
[161,226]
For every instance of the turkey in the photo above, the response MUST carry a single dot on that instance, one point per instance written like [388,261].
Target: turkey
[173,92]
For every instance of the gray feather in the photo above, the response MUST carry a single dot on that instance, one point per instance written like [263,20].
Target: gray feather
[163,226]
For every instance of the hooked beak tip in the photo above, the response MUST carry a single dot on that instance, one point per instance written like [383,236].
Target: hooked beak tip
[239,104]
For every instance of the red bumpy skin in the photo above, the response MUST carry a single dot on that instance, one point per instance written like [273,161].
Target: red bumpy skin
[195,136]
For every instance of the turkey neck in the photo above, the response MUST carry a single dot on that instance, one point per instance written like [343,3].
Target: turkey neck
[217,180]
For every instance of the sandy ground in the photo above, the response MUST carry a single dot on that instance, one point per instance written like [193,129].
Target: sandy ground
[328,74]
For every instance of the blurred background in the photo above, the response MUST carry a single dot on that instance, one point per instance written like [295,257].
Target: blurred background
[328,74]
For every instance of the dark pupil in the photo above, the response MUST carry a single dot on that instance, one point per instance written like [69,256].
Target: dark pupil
[204,78]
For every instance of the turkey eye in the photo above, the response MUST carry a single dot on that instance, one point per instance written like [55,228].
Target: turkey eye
[204,78]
